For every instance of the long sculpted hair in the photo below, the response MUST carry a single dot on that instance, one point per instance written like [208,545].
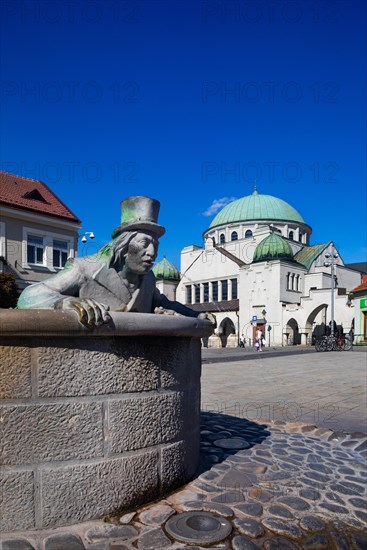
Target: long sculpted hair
[115,251]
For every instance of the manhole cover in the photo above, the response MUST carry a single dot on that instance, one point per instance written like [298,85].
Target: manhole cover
[200,527]
[232,443]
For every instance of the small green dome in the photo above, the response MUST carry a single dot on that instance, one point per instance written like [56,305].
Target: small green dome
[166,270]
[273,247]
[256,207]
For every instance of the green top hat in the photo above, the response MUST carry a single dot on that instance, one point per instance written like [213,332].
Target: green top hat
[139,213]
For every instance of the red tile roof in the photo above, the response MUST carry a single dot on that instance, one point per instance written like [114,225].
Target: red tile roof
[22,194]
[362,286]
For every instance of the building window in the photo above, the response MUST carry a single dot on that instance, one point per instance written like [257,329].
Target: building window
[224,290]
[300,237]
[289,281]
[206,292]
[188,294]
[291,235]
[248,234]
[197,293]
[222,238]
[234,289]
[35,249]
[60,253]
[215,291]
[234,236]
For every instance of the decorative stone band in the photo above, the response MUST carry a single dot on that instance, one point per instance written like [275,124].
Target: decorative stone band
[95,422]
[44,322]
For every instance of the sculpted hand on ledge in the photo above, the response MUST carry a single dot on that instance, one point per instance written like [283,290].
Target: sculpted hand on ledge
[117,278]
[90,312]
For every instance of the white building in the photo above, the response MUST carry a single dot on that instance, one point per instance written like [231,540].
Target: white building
[257,263]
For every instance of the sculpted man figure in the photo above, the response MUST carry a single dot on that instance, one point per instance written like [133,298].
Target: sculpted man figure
[117,278]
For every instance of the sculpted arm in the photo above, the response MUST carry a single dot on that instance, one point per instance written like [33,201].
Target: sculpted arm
[162,302]
[49,293]
[61,291]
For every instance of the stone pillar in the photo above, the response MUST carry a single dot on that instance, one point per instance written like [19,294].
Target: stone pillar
[95,421]
[201,293]
[210,291]
[229,289]
[219,291]
[304,338]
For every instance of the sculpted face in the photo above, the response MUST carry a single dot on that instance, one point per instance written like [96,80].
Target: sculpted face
[142,252]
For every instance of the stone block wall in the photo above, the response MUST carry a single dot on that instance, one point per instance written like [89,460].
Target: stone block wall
[94,425]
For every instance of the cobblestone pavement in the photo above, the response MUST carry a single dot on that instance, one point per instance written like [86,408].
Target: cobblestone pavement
[281,485]
[326,389]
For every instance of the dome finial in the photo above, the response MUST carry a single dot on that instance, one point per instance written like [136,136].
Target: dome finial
[255,188]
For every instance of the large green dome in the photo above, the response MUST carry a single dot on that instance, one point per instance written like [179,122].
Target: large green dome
[166,270]
[256,207]
[273,247]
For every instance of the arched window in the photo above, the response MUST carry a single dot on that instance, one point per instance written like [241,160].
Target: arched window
[248,234]
[222,238]
[291,235]
[234,236]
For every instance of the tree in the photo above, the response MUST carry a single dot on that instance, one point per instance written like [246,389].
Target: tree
[9,291]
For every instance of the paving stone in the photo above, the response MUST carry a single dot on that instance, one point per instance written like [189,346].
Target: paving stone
[280,543]
[252,468]
[334,497]
[361,447]
[310,494]
[237,478]
[209,476]
[295,503]
[359,540]
[316,476]
[260,494]
[334,508]
[358,489]
[229,497]
[242,543]
[220,509]
[218,435]
[232,443]
[61,542]
[250,508]
[300,450]
[282,527]
[249,527]
[361,515]
[206,487]
[16,544]
[345,471]
[356,479]
[312,524]
[320,468]
[343,489]
[318,541]
[339,541]
[103,532]
[126,518]
[154,540]
[156,515]
[281,511]
[359,503]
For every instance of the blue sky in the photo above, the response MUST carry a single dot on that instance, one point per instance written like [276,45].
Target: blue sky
[189,102]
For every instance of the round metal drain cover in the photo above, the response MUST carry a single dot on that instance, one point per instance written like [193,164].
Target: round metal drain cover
[234,443]
[200,527]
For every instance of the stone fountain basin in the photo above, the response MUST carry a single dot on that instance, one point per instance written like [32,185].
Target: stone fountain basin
[95,422]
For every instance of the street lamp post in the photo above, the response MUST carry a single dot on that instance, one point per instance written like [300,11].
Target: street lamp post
[331,263]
